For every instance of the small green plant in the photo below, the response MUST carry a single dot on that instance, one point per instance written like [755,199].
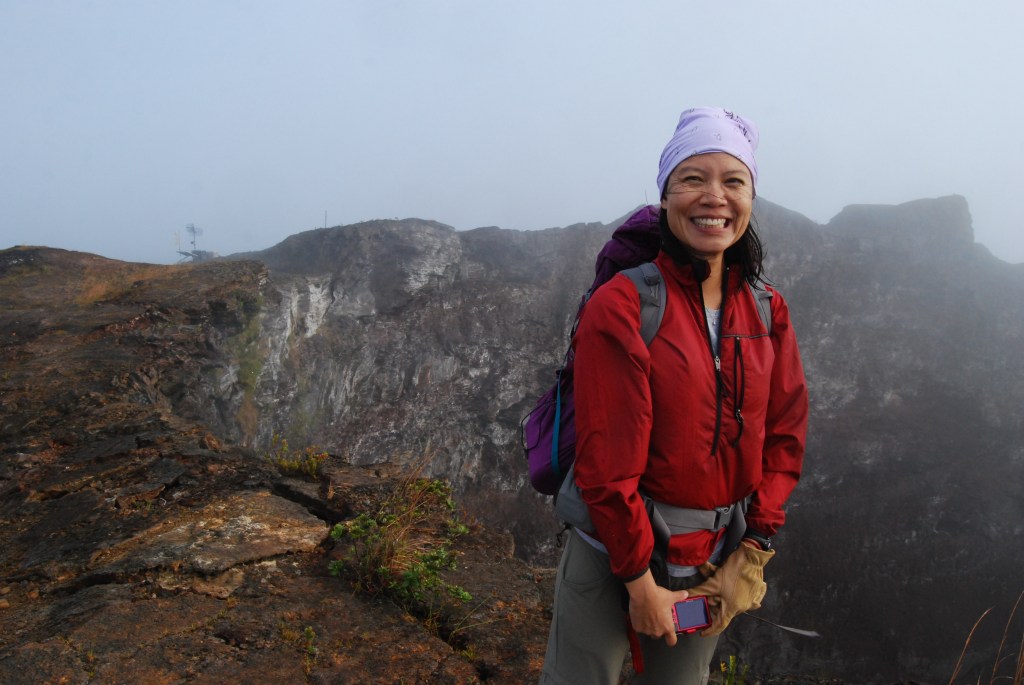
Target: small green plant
[308,462]
[457,529]
[402,549]
[310,648]
[735,674]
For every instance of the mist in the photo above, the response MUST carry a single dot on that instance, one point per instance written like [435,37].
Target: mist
[126,122]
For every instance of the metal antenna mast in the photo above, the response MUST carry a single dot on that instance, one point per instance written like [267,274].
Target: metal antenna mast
[193,231]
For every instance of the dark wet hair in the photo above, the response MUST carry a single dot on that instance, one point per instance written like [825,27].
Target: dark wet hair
[747,252]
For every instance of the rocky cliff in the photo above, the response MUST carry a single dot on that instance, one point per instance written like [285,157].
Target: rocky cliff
[390,342]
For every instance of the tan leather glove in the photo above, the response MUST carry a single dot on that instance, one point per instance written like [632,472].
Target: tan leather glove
[736,586]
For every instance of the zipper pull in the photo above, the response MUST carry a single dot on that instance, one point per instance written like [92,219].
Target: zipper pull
[718,363]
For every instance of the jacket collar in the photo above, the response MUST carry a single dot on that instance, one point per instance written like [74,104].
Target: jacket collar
[694,272]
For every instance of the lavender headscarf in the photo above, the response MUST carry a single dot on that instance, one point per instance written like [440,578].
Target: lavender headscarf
[709,129]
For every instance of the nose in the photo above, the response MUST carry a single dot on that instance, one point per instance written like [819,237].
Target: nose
[712,193]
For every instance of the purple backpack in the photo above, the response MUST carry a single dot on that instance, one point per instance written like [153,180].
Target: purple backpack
[549,431]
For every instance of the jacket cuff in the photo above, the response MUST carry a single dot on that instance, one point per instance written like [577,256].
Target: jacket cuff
[763,541]
[759,525]
[630,578]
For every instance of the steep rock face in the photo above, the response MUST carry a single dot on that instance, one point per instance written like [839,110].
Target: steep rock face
[413,341]
[909,333]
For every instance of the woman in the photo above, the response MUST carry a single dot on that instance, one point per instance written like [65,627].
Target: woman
[710,416]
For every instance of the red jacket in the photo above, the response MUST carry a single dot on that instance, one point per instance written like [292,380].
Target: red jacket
[647,417]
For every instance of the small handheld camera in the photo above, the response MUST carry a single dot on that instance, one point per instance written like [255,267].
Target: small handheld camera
[691,615]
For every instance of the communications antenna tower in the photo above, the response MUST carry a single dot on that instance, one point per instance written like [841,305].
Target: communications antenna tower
[193,231]
[195,254]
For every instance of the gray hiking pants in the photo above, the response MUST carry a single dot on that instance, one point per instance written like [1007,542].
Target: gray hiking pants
[588,643]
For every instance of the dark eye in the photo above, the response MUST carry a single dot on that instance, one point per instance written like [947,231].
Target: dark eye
[735,182]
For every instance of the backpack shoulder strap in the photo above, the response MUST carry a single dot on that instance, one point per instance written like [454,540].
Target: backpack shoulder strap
[651,286]
[763,300]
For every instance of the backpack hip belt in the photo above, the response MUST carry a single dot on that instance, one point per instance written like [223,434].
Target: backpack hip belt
[570,508]
[684,520]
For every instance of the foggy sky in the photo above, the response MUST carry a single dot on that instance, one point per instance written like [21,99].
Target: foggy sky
[125,121]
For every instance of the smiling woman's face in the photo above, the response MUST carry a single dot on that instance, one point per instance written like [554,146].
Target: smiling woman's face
[708,201]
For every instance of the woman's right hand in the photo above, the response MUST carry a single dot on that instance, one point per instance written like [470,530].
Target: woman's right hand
[650,608]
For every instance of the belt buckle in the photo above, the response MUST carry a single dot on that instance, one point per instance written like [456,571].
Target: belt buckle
[720,513]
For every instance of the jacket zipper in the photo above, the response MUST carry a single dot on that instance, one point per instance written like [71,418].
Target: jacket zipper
[716,359]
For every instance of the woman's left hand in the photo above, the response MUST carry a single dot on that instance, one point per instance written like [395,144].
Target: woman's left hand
[737,586]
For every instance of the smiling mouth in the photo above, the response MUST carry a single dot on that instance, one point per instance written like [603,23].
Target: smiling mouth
[710,223]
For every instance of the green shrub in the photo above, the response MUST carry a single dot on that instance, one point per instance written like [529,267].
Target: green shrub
[308,462]
[402,549]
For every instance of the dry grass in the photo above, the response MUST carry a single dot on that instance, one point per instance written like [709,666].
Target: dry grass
[1007,667]
[99,284]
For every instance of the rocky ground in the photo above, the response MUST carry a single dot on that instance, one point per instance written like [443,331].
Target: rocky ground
[236,589]
[136,547]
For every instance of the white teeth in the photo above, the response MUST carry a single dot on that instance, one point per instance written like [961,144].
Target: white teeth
[710,223]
